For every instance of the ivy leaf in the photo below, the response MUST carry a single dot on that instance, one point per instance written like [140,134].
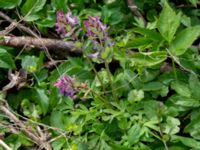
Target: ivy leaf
[6,60]
[168,22]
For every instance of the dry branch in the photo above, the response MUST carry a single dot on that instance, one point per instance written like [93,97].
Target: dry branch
[135,11]
[64,47]
[18,25]
[41,141]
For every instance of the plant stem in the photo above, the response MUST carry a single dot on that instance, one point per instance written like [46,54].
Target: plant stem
[174,69]
[110,80]
[98,77]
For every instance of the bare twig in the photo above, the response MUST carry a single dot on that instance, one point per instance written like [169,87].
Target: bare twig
[18,25]
[4,145]
[135,11]
[41,141]
[64,47]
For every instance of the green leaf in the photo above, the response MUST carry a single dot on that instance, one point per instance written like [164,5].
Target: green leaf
[112,16]
[186,141]
[60,4]
[194,2]
[184,40]
[139,43]
[151,34]
[153,86]
[30,9]
[184,101]
[119,147]
[6,60]
[150,58]
[42,99]
[193,127]
[29,63]
[168,22]
[135,96]
[58,144]
[181,88]
[56,119]
[172,125]
[134,134]
[194,84]
[9,4]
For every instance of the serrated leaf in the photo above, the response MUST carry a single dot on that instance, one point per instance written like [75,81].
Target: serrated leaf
[30,9]
[6,60]
[149,58]
[9,4]
[168,22]
[184,40]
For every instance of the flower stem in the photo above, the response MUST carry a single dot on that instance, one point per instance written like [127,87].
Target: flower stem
[98,77]
[110,80]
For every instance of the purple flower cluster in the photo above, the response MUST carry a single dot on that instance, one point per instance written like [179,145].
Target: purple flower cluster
[95,28]
[66,86]
[65,23]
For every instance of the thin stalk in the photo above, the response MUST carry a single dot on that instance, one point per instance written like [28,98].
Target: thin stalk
[110,80]
[174,69]
[98,77]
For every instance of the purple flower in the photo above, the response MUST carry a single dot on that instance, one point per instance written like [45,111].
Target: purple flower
[95,28]
[66,86]
[65,24]
[72,20]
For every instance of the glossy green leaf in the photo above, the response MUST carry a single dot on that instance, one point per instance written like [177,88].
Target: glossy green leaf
[184,40]
[6,60]
[168,22]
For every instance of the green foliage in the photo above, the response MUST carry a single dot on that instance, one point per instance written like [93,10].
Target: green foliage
[6,60]
[141,93]
[9,4]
